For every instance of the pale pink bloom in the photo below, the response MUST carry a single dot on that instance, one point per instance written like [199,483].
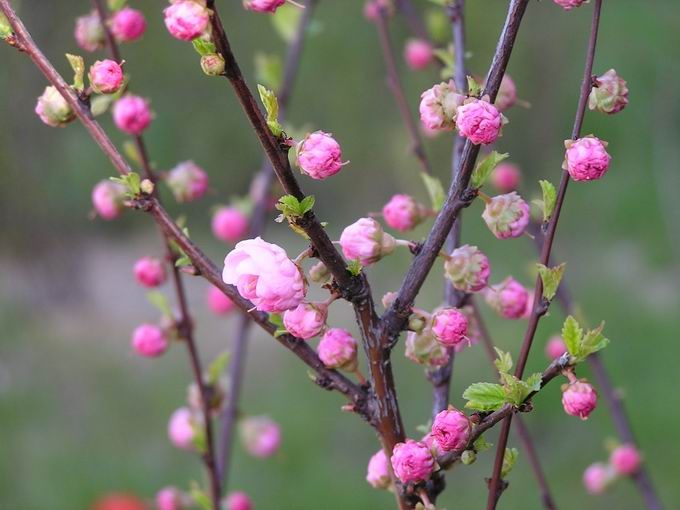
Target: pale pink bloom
[181,428]
[319,155]
[509,298]
[451,429]
[422,348]
[479,121]
[229,224]
[418,54]
[610,95]
[186,20]
[365,241]
[149,272]
[128,24]
[171,498]
[568,5]
[467,268]
[107,199]
[507,94]
[53,109]
[506,215]
[263,5]
[378,474]
[555,347]
[586,159]
[597,477]
[439,106]
[338,349]
[449,326]
[403,213]
[149,340]
[625,459]
[579,399]
[263,273]
[238,501]
[89,32]
[505,178]
[261,436]
[187,181]
[106,76]
[131,114]
[218,303]
[306,321]
[412,461]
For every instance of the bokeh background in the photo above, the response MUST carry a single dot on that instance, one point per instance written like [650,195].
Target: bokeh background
[82,416]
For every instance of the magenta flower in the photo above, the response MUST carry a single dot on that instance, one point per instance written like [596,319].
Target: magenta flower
[479,121]
[467,268]
[505,178]
[218,303]
[149,340]
[131,114]
[507,216]
[186,20]
[238,501]
[128,24]
[625,460]
[586,159]
[451,429]
[181,428]
[412,461]
[365,241]
[597,477]
[449,326]
[229,224]
[53,109]
[579,399]
[108,199]
[378,474]
[263,5]
[106,76]
[89,32]
[555,347]
[187,181]
[261,436]
[319,155]
[149,272]
[403,213]
[418,54]
[610,93]
[439,106]
[306,321]
[338,349]
[509,298]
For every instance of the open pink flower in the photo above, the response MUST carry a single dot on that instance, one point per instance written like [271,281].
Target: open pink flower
[403,213]
[186,20]
[131,114]
[378,474]
[479,121]
[263,5]
[451,429]
[412,461]
[108,199]
[509,298]
[128,24]
[187,181]
[338,349]
[306,321]
[418,54]
[365,241]
[229,224]
[507,216]
[106,76]
[586,159]
[149,340]
[149,272]
[261,436]
[579,399]
[467,268]
[319,155]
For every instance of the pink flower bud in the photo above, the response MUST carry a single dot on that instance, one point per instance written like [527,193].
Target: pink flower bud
[106,76]
[422,348]
[132,114]
[625,459]
[412,461]
[610,94]
[319,155]
[568,5]
[171,498]
[218,303]
[507,94]
[187,181]
[261,436]
[586,159]
[597,477]
[449,326]
[128,24]
[263,273]
[89,32]
[306,321]
[365,241]
[451,429]
[263,5]
[238,501]
[555,347]
[403,213]
[319,273]
[53,109]
[439,106]
[579,399]
[149,272]
[108,199]
[148,340]
[229,224]
[418,54]
[378,474]
[506,215]
[508,298]
[467,269]
[181,428]
[338,349]
[479,121]
[505,178]
[186,20]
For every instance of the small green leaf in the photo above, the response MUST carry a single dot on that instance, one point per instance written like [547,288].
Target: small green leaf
[203,47]
[509,460]
[435,190]
[271,105]
[217,367]
[481,444]
[354,267]
[78,65]
[572,335]
[269,70]
[483,170]
[200,497]
[484,396]
[116,5]
[160,301]
[307,204]
[551,278]
[503,362]
[549,199]
[474,88]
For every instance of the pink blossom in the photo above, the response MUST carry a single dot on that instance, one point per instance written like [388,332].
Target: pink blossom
[403,213]
[319,155]
[306,321]
[586,159]
[418,54]
[238,501]
[579,399]
[412,461]
[263,5]
[625,459]
[181,428]
[555,347]
[187,181]
[338,349]
[218,303]
[506,177]
[439,106]
[170,498]
[507,216]
[229,224]
[132,114]
[451,429]
[263,273]
[449,326]
[186,20]
[261,436]
[597,477]
[479,121]
[89,32]
[149,272]
[467,268]
[378,474]
[128,24]
[507,94]
[422,348]
[365,241]
[508,298]
[53,109]
[610,95]
[108,198]
[570,4]
[106,76]
[149,340]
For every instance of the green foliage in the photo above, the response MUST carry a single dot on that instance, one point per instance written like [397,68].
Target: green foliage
[551,278]
[269,70]
[580,345]
[509,460]
[484,168]
[435,190]
[78,65]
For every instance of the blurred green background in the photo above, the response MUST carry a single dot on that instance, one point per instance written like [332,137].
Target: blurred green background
[81,415]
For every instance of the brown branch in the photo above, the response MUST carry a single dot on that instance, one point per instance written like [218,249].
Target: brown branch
[541,305]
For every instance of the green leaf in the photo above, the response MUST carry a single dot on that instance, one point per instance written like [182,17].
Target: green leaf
[549,199]
[509,460]
[116,5]
[271,105]
[160,301]
[435,190]
[78,66]
[5,28]
[484,396]
[572,335]
[481,444]
[551,278]
[269,70]
[483,170]
[503,362]
[307,204]
[354,267]
[217,367]
[203,47]
[286,21]
[200,497]
[474,88]
[593,341]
